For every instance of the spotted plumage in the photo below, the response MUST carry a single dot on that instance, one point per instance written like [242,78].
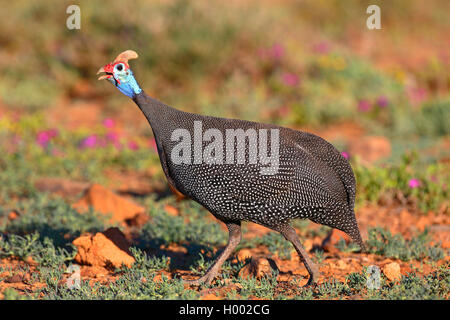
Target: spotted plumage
[312,180]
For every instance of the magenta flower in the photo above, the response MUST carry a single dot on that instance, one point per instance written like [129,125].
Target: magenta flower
[364,105]
[89,142]
[113,138]
[44,137]
[132,145]
[414,183]
[382,101]
[108,123]
[290,79]
[345,155]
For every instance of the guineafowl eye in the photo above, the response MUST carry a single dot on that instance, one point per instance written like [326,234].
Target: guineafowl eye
[119,67]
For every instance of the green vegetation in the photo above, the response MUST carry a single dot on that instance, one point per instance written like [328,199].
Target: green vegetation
[382,242]
[411,287]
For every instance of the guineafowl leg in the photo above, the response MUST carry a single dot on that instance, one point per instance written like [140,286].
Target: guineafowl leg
[234,230]
[289,233]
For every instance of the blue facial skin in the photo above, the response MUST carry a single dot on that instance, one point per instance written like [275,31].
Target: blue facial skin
[128,85]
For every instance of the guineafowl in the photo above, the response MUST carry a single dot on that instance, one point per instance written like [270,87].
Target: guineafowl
[246,171]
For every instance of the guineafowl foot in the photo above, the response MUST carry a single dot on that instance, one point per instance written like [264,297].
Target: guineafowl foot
[234,230]
[206,279]
[312,281]
[289,233]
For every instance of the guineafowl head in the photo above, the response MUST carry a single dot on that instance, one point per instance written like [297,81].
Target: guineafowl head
[120,75]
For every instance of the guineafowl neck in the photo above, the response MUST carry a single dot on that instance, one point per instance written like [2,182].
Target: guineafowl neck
[155,111]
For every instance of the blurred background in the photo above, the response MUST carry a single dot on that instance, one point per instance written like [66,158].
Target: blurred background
[380,96]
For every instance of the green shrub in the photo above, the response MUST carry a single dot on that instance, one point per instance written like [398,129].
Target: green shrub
[382,242]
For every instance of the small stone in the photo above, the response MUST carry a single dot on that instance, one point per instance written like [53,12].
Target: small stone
[209,296]
[244,254]
[341,264]
[392,271]
[13,215]
[257,268]
[171,210]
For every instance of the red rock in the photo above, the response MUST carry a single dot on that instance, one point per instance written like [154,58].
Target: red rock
[13,215]
[108,249]
[446,244]
[107,202]
[341,264]
[61,186]
[209,296]
[257,268]
[171,210]
[244,254]
[392,271]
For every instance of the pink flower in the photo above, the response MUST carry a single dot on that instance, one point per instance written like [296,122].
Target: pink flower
[44,137]
[345,155]
[290,79]
[414,183]
[276,52]
[132,145]
[382,101]
[113,138]
[89,142]
[364,105]
[108,123]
